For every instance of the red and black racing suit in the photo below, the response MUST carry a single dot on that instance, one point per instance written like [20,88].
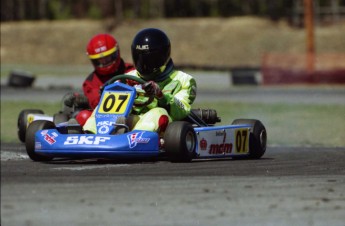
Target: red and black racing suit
[94,82]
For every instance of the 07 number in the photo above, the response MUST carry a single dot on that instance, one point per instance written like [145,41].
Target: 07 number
[242,140]
[114,103]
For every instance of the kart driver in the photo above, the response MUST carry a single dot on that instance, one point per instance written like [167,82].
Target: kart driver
[104,53]
[174,90]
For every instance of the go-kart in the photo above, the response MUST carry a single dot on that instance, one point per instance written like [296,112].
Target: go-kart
[27,116]
[193,138]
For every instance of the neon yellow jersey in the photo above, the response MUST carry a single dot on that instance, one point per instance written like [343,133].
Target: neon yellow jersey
[179,91]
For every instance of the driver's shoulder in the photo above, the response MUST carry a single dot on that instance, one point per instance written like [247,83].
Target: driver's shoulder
[181,76]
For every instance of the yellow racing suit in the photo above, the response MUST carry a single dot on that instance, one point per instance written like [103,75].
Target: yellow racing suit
[179,92]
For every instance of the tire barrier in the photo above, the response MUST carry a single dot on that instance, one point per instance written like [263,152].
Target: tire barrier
[20,79]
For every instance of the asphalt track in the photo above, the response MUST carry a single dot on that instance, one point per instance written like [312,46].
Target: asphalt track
[288,186]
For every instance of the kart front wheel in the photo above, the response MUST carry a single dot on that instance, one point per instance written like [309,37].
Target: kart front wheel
[257,137]
[180,141]
[23,122]
[30,139]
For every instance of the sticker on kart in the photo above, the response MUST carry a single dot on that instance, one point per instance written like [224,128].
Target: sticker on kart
[223,142]
[137,138]
[114,103]
[81,140]
[215,142]
[49,138]
[241,141]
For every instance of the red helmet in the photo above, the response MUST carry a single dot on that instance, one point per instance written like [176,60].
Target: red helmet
[104,53]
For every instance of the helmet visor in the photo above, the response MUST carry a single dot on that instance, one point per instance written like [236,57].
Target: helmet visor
[106,61]
[150,63]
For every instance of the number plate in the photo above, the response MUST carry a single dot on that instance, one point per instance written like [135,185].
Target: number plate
[241,141]
[114,103]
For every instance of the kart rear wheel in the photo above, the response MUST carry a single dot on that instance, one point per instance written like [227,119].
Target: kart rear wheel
[180,141]
[22,122]
[30,139]
[257,138]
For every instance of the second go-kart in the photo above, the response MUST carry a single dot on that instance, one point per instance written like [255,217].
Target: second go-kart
[193,138]
[27,116]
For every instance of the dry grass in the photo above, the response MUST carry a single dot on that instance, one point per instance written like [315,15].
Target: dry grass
[211,41]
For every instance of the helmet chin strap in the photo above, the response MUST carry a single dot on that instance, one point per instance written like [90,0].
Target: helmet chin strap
[168,68]
[160,75]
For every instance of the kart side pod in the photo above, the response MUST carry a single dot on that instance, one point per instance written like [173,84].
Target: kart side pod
[244,139]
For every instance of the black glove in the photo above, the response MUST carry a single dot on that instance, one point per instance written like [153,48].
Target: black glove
[77,100]
[69,99]
[81,101]
[152,88]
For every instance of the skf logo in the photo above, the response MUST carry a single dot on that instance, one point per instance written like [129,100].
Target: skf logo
[85,140]
[142,47]
[105,123]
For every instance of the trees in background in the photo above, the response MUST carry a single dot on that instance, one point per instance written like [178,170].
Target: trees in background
[14,10]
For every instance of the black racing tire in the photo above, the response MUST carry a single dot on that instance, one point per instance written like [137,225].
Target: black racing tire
[60,117]
[257,137]
[180,141]
[21,79]
[22,122]
[30,139]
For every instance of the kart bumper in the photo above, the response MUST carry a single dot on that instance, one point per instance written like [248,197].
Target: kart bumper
[135,144]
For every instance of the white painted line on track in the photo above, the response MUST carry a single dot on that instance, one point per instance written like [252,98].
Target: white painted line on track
[77,168]
[8,155]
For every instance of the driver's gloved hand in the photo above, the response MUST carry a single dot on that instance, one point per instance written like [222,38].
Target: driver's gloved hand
[152,88]
[76,99]
[81,101]
[69,100]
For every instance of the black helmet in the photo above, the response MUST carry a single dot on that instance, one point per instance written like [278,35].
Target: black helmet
[150,53]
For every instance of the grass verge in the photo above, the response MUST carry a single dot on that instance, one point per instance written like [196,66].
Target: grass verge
[46,70]
[290,124]
[286,124]
[9,116]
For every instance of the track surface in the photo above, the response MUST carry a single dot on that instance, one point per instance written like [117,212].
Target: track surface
[289,186]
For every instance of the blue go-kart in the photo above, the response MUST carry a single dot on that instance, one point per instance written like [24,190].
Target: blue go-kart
[193,138]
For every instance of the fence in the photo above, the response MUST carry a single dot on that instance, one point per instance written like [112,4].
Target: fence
[279,68]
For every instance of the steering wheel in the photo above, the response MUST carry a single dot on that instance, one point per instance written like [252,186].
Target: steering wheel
[123,78]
